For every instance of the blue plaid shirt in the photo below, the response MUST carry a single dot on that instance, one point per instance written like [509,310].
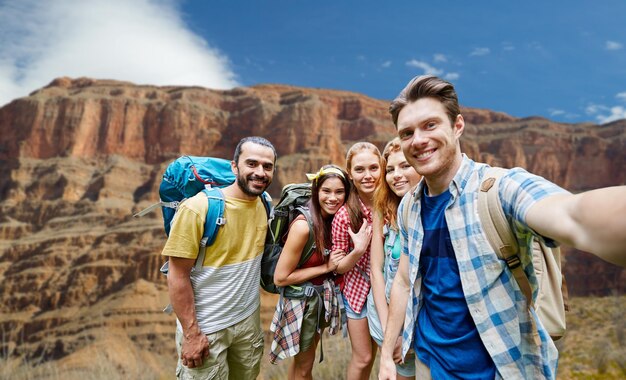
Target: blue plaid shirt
[495,302]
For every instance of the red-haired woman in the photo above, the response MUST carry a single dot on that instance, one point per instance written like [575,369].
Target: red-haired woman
[399,178]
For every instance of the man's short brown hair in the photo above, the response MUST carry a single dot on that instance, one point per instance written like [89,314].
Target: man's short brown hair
[427,86]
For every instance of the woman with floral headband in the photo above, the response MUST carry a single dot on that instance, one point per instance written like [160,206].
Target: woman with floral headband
[298,321]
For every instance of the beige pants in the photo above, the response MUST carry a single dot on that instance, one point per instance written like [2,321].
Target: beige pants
[422,372]
[234,352]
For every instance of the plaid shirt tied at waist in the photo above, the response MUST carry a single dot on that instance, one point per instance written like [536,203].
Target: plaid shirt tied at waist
[287,321]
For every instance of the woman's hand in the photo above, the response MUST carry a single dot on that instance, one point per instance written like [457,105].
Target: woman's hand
[334,259]
[397,351]
[361,239]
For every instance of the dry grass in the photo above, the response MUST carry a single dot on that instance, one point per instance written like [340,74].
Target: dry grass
[595,344]
[336,358]
[593,348]
[100,367]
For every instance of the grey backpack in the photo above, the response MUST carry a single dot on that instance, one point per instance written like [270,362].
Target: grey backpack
[552,299]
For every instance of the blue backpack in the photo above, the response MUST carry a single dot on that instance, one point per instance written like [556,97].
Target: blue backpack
[186,177]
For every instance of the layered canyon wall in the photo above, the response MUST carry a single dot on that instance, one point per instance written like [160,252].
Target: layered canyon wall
[80,156]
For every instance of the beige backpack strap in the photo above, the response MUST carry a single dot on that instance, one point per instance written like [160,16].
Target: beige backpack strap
[497,228]
[407,208]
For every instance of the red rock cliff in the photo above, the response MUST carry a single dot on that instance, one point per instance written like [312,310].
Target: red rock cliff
[80,155]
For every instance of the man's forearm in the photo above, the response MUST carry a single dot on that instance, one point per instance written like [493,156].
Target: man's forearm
[195,345]
[182,299]
[593,221]
[602,216]
[395,320]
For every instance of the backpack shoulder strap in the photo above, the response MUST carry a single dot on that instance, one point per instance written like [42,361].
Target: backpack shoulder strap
[497,228]
[307,252]
[407,207]
[215,214]
[214,219]
[267,202]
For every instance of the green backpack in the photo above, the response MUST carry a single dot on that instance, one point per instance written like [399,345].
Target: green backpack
[293,199]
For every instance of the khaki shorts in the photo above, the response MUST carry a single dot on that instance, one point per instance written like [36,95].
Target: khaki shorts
[422,371]
[234,352]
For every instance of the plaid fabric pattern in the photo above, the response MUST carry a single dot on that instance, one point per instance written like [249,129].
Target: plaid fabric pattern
[331,307]
[494,299]
[286,326]
[287,322]
[355,285]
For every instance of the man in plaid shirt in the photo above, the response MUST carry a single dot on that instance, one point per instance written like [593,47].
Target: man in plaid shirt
[467,317]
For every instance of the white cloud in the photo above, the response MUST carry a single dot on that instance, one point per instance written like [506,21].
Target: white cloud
[621,96]
[386,64]
[440,58]
[593,109]
[143,41]
[428,69]
[480,51]
[613,45]
[561,114]
[604,114]
[556,112]
[507,46]
[615,113]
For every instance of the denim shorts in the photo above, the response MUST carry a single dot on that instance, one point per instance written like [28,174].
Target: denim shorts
[406,369]
[353,314]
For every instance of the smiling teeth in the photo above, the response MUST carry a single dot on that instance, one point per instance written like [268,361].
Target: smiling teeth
[425,154]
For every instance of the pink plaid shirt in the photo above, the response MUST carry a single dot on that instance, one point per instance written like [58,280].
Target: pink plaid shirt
[355,286]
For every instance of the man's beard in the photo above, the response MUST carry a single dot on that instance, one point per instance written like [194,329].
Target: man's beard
[242,182]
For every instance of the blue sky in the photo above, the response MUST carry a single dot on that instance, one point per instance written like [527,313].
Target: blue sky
[564,60]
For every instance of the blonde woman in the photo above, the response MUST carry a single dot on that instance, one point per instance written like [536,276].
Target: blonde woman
[363,164]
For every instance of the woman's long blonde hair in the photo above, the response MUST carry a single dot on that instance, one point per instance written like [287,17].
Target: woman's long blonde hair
[353,205]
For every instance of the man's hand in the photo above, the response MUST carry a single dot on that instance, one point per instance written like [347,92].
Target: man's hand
[194,350]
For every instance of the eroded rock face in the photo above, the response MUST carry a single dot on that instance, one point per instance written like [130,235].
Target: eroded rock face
[79,156]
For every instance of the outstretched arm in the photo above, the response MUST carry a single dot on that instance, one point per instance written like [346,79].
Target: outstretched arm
[593,221]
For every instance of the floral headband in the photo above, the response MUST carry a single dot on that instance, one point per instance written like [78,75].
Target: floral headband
[322,171]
